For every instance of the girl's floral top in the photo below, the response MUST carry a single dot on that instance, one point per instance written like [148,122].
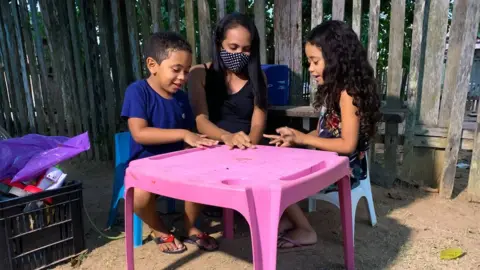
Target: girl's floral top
[330,126]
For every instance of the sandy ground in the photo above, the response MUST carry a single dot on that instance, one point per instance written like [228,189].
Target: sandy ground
[413,227]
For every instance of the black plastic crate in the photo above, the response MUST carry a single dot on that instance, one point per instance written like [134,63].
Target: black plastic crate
[45,236]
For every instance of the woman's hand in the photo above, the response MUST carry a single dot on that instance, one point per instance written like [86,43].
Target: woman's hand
[287,137]
[239,139]
[199,141]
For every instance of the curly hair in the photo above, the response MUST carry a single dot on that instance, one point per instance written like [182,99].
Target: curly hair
[346,68]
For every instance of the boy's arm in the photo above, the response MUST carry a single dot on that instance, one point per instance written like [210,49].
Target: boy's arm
[143,134]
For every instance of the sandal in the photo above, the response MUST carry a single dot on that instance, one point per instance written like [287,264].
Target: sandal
[196,240]
[282,240]
[168,239]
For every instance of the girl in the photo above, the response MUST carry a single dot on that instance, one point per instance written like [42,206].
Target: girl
[348,105]
[229,94]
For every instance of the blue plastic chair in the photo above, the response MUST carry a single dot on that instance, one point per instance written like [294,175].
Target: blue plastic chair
[122,154]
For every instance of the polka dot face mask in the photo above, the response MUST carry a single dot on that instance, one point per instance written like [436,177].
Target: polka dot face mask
[234,61]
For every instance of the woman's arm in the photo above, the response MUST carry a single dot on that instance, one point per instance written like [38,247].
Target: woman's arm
[350,130]
[259,118]
[198,100]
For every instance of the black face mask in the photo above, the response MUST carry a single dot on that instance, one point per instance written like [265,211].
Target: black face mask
[235,62]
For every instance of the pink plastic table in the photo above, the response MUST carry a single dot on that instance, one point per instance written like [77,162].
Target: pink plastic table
[258,183]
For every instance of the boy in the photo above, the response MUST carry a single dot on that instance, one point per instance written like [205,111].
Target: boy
[160,119]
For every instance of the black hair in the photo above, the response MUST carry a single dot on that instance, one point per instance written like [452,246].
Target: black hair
[254,71]
[160,44]
[346,68]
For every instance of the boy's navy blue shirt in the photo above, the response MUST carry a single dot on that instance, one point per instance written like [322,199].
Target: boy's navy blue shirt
[141,101]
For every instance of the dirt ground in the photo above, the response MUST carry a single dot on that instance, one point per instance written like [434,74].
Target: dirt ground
[413,227]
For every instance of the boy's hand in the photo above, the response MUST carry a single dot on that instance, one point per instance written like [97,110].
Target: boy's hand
[288,137]
[199,141]
[239,139]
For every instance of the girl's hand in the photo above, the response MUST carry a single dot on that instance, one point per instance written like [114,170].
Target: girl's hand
[288,137]
[199,141]
[239,139]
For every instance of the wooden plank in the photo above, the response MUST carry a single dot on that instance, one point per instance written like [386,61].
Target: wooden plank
[338,10]
[157,18]
[173,16]
[391,144]
[146,20]
[190,27]
[32,67]
[316,17]
[118,38]
[222,9]
[205,32]
[434,57]
[469,12]
[413,88]
[6,80]
[473,189]
[259,10]
[288,43]
[23,67]
[51,124]
[395,54]
[240,6]
[94,133]
[55,44]
[428,174]
[20,114]
[374,18]
[357,17]
[133,38]
[79,72]
[102,9]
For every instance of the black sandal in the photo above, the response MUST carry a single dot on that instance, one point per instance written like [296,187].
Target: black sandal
[169,239]
[194,240]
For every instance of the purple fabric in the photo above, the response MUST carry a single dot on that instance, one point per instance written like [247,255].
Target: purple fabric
[29,156]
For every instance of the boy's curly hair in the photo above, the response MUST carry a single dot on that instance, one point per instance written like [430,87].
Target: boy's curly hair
[346,68]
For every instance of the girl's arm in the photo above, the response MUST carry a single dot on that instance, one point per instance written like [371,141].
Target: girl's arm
[196,90]
[350,130]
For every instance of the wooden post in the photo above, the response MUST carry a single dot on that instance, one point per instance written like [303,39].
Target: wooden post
[133,38]
[414,88]
[79,75]
[434,59]
[461,51]
[32,67]
[338,9]
[221,9]
[259,10]
[316,18]
[473,189]
[89,76]
[173,16]
[205,30]
[394,82]
[46,92]
[11,46]
[357,17]
[288,43]
[157,19]
[119,47]
[23,65]
[146,19]
[190,25]
[429,173]
[6,68]
[240,6]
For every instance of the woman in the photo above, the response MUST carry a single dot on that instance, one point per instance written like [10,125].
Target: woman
[229,94]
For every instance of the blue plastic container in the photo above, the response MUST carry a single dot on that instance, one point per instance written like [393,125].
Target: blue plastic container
[278,77]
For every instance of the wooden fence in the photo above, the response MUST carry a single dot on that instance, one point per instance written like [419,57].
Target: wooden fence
[65,66]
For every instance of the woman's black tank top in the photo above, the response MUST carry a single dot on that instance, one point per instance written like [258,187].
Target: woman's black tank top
[232,113]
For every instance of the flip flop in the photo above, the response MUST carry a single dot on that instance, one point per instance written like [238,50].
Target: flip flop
[282,240]
[194,240]
[169,239]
